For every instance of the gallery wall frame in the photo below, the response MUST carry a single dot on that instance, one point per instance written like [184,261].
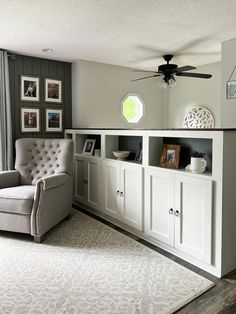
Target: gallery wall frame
[53,90]
[30,119]
[53,120]
[29,88]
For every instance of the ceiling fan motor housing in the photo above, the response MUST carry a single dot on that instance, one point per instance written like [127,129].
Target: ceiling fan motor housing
[165,68]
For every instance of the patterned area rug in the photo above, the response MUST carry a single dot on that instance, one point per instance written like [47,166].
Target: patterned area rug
[84,266]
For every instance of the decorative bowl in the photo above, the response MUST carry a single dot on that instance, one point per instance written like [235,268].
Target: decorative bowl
[121,154]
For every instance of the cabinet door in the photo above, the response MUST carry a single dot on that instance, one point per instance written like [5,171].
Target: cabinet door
[193,221]
[80,179]
[111,171]
[131,195]
[159,212]
[93,182]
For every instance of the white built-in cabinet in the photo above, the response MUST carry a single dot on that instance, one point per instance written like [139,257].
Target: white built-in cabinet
[123,192]
[190,215]
[159,198]
[179,211]
[87,172]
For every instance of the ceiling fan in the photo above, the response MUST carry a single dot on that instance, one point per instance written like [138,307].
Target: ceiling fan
[169,70]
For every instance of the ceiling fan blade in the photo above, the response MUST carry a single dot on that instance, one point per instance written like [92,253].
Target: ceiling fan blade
[142,78]
[185,68]
[144,71]
[197,75]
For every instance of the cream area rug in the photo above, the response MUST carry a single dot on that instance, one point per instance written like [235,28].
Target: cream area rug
[84,266]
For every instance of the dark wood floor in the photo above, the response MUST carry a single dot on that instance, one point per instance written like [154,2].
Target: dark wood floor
[221,299]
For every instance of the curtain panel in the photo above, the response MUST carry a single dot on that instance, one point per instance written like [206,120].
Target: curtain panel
[6,149]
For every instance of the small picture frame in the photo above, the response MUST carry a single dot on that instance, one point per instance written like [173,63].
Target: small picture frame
[231,89]
[139,153]
[53,90]
[88,146]
[170,156]
[54,120]
[30,120]
[29,90]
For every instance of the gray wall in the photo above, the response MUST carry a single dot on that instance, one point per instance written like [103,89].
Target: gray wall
[97,91]
[42,68]
[228,106]
[191,91]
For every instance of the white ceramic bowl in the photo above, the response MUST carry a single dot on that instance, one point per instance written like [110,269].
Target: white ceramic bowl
[121,154]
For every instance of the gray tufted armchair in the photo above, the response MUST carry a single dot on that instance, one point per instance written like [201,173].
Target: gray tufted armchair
[38,194]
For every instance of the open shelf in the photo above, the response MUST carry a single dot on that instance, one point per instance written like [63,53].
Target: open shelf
[123,143]
[188,146]
[80,141]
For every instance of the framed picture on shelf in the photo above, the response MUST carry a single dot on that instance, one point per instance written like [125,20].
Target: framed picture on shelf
[88,146]
[30,119]
[29,90]
[53,90]
[139,153]
[54,120]
[170,156]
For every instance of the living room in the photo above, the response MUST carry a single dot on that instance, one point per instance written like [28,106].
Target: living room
[71,67]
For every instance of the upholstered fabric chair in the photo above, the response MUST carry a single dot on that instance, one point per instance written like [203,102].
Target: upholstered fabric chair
[38,194]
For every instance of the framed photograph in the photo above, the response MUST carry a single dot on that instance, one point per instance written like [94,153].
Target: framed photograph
[54,120]
[30,120]
[170,156]
[89,146]
[231,89]
[139,153]
[53,90]
[29,88]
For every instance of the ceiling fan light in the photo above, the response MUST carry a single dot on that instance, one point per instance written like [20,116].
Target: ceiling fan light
[172,82]
[163,84]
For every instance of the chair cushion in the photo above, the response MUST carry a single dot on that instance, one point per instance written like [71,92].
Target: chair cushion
[17,200]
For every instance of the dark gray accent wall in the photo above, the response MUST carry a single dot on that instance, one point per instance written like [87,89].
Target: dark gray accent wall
[42,68]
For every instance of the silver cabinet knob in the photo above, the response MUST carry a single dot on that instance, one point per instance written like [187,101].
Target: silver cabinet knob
[121,194]
[177,213]
[117,192]
[171,211]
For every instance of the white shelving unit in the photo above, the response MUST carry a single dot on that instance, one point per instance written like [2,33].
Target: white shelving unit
[190,215]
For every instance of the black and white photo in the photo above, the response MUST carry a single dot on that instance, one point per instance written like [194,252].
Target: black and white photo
[29,88]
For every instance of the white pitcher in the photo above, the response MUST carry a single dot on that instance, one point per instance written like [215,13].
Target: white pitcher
[198,164]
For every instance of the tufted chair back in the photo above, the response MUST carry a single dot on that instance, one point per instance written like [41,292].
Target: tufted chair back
[37,158]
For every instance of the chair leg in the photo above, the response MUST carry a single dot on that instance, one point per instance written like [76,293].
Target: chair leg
[38,238]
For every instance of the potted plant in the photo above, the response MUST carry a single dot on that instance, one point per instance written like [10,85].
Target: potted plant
[196,154]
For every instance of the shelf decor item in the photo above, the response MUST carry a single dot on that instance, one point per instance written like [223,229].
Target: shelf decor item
[89,146]
[30,119]
[121,154]
[54,120]
[139,153]
[170,156]
[53,90]
[199,117]
[231,87]
[29,88]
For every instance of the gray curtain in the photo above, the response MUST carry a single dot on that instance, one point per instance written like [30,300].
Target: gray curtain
[6,151]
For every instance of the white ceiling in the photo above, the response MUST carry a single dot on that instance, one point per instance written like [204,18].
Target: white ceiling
[131,33]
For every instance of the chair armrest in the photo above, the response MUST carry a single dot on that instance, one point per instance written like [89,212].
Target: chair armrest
[53,181]
[9,178]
